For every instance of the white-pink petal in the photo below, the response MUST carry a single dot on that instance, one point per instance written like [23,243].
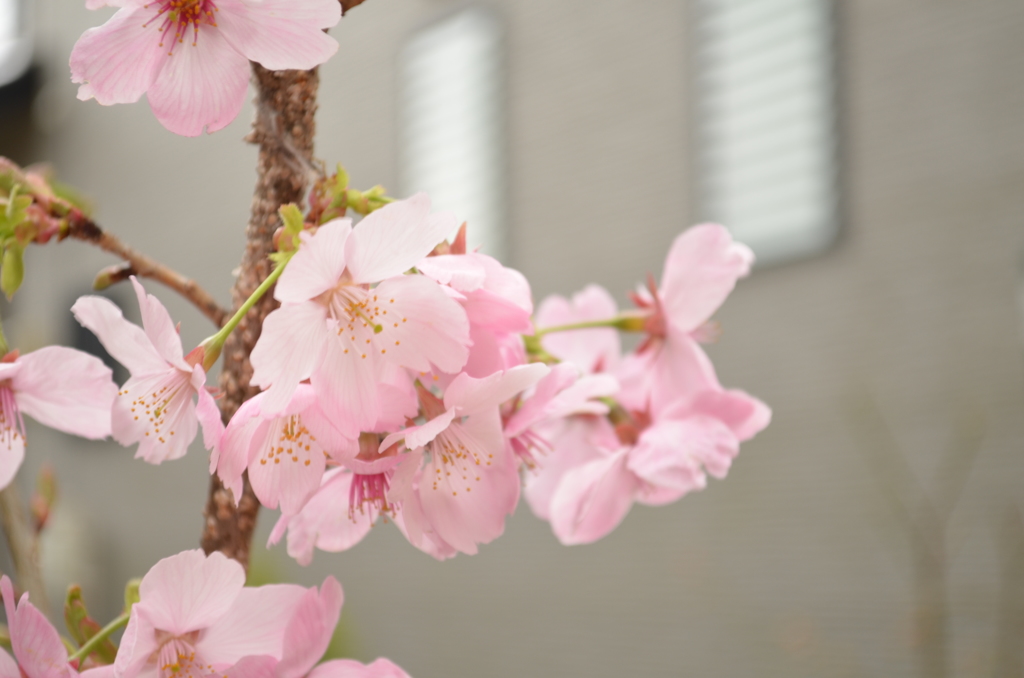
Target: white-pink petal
[254,624]
[159,328]
[350,668]
[391,240]
[200,85]
[189,591]
[290,346]
[119,60]
[281,34]
[65,389]
[593,499]
[318,264]
[126,342]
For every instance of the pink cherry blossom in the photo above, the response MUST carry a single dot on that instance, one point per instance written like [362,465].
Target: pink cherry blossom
[342,333]
[470,482]
[701,269]
[286,454]
[191,57]
[155,407]
[59,387]
[37,645]
[194,618]
[651,457]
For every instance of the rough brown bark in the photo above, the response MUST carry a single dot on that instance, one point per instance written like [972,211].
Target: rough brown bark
[283,130]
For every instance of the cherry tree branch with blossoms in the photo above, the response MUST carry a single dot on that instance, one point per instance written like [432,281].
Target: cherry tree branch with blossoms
[374,369]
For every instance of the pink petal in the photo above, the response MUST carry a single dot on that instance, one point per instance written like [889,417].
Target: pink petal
[490,310]
[533,409]
[669,454]
[291,344]
[12,453]
[700,271]
[391,240]
[416,437]
[281,34]
[207,412]
[201,85]
[350,668]
[462,272]
[317,266]
[592,499]
[310,629]
[577,444]
[190,591]
[346,382]
[254,624]
[593,350]
[743,413]
[233,454]
[125,342]
[468,395]
[67,390]
[493,352]
[422,326]
[35,642]
[120,59]
[8,667]
[252,666]
[138,643]
[159,327]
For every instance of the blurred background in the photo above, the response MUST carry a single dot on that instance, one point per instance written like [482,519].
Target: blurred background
[870,151]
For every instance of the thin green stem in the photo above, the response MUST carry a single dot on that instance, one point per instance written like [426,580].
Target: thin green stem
[630,322]
[229,327]
[90,645]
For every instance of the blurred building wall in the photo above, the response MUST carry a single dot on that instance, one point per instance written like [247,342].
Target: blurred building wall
[884,501]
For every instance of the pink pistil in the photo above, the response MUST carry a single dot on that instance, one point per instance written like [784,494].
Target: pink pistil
[180,15]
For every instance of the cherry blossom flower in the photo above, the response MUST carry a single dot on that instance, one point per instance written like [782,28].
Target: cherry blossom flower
[654,458]
[336,330]
[59,387]
[191,57]
[286,454]
[155,407]
[470,482]
[194,617]
[37,645]
[701,269]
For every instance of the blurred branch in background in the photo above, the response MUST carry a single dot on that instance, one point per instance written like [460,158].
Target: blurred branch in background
[23,543]
[1009,650]
[923,516]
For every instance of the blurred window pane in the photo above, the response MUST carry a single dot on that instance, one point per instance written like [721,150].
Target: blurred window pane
[766,123]
[451,142]
[15,39]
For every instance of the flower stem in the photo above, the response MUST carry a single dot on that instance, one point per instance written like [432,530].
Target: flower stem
[629,322]
[4,350]
[90,645]
[214,344]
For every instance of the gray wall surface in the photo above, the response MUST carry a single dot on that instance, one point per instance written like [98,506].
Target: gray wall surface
[885,497]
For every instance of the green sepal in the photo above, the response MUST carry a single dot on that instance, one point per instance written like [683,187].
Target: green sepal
[5,637]
[291,217]
[131,593]
[82,627]
[13,269]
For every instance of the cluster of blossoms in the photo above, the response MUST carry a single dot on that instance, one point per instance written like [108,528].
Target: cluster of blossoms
[194,618]
[404,379]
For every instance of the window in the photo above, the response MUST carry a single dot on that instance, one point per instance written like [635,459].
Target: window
[451,104]
[766,123]
[15,43]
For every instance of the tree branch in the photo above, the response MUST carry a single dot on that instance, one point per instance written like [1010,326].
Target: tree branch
[80,227]
[283,130]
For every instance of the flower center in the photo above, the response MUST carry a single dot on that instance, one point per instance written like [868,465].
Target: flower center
[291,441]
[181,16]
[368,489]
[160,403]
[12,426]
[455,465]
[177,658]
[361,316]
